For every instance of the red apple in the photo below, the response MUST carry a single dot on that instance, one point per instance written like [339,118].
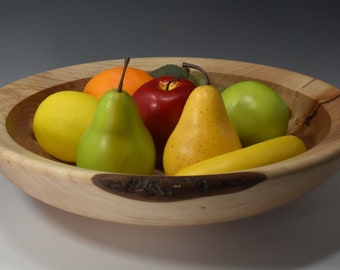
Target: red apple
[160,103]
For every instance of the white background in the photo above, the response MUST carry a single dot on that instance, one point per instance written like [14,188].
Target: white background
[302,36]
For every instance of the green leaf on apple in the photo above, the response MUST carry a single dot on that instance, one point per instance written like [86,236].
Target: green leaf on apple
[180,72]
[170,70]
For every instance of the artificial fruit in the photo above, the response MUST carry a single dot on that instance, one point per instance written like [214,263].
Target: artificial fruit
[117,139]
[160,103]
[60,121]
[259,154]
[203,131]
[256,111]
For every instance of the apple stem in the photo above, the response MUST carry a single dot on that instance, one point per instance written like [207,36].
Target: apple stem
[126,63]
[169,82]
[204,73]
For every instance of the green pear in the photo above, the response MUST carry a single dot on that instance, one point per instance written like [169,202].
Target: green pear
[203,131]
[117,140]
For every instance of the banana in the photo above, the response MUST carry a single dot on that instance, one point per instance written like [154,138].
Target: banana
[256,155]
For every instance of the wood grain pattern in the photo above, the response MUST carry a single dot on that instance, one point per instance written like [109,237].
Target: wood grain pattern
[315,119]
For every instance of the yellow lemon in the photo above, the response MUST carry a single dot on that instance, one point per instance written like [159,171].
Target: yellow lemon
[60,120]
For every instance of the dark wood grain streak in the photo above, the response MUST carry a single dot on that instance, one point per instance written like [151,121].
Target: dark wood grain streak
[166,188]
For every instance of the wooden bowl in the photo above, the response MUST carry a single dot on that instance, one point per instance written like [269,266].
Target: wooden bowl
[158,199]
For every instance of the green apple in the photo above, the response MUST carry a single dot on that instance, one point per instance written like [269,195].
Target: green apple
[256,111]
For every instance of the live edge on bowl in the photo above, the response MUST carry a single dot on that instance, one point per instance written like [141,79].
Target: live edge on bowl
[160,199]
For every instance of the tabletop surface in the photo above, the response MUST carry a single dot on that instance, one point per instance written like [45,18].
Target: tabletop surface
[302,36]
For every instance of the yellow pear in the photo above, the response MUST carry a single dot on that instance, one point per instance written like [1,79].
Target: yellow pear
[203,131]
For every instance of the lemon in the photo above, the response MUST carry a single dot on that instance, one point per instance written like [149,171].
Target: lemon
[60,120]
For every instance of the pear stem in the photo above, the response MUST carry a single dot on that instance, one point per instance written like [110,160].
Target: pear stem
[204,73]
[126,63]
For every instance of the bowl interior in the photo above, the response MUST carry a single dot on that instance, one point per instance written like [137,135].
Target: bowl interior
[19,119]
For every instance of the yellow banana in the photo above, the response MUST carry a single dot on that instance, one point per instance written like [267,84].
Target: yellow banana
[256,155]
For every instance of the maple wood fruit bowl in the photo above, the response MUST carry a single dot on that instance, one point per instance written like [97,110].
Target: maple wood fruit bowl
[158,199]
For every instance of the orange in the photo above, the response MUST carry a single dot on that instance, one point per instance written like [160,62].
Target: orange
[110,78]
